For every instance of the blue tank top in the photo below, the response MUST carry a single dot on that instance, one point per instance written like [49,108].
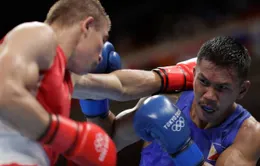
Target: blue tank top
[212,142]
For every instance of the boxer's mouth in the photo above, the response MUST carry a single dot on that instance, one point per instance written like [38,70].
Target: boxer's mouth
[208,109]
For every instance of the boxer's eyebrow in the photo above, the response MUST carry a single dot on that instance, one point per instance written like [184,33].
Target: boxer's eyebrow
[202,76]
[228,84]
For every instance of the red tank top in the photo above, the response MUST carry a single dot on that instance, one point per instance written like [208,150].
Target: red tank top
[54,93]
[55,90]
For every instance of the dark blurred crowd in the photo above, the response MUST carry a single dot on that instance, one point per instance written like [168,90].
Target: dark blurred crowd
[143,22]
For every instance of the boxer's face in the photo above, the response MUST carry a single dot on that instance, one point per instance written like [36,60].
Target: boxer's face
[87,53]
[216,89]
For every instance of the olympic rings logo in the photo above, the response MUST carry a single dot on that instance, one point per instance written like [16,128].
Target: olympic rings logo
[179,124]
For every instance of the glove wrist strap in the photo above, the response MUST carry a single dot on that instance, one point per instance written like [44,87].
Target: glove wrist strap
[187,144]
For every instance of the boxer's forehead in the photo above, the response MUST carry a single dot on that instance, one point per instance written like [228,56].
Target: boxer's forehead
[217,74]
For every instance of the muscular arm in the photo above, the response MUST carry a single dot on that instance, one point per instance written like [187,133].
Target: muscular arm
[123,85]
[26,49]
[246,147]
[120,85]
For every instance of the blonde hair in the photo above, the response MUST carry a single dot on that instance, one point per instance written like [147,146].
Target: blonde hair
[68,12]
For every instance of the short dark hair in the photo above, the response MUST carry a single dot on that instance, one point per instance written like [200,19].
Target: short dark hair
[225,51]
[68,12]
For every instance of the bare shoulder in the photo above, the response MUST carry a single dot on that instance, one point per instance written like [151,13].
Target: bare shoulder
[32,25]
[31,29]
[26,49]
[246,148]
[32,40]
[249,132]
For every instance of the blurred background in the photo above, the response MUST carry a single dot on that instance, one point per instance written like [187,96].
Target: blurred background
[150,33]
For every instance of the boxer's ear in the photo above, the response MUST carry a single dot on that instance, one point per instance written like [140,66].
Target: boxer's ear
[244,87]
[87,24]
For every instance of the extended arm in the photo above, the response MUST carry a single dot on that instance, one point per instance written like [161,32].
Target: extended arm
[123,85]
[120,85]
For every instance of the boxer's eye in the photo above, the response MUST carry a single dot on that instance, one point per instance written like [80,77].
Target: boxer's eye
[204,82]
[221,87]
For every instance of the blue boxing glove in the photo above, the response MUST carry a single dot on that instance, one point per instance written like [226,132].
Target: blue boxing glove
[160,120]
[110,62]
[94,108]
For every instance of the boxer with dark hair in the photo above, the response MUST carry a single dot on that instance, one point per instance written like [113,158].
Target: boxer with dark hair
[221,128]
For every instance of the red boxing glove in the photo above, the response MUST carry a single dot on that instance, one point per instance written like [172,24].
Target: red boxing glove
[83,143]
[176,78]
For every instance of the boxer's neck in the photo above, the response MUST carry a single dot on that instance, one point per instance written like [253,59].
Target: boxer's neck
[67,38]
